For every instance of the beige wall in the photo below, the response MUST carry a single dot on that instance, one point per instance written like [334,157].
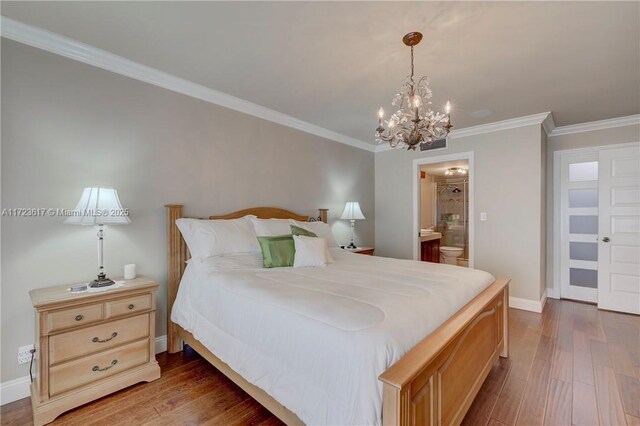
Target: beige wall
[594,138]
[508,167]
[67,125]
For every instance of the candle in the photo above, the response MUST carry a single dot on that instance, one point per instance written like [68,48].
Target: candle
[130,271]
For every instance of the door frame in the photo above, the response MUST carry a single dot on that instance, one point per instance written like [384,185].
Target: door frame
[468,155]
[557,205]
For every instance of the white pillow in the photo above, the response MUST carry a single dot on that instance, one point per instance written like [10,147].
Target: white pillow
[206,238]
[327,252]
[310,251]
[271,227]
[319,228]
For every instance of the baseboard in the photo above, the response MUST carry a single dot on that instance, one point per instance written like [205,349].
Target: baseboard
[16,389]
[543,301]
[161,344]
[552,293]
[528,304]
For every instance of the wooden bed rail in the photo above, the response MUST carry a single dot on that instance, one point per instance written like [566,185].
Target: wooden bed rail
[436,381]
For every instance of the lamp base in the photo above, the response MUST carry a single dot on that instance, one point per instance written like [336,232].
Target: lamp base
[101,281]
[351,246]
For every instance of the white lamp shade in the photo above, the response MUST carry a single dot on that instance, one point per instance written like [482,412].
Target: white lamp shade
[98,206]
[352,211]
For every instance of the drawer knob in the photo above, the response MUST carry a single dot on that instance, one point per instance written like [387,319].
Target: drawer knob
[96,340]
[131,306]
[96,368]
[79,317]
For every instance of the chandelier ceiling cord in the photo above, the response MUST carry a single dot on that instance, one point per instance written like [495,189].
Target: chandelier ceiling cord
[414,123]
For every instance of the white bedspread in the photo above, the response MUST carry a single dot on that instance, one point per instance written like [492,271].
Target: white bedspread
[316,339]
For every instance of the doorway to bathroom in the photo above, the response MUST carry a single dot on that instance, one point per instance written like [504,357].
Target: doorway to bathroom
[443,209]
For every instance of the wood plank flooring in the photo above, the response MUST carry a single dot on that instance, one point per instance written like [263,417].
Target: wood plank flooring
[570,365]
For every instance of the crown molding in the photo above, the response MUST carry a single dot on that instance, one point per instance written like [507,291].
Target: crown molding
[596,125]
[383,147]
[548,124]
[544,119]
[511,123]
[82,52]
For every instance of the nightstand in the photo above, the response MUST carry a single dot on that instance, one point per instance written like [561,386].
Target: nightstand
[361,250]
[91,344]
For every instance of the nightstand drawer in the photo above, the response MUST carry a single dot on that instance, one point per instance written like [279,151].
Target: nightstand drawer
[128,305]
[74,374]
[88,340]
[74,317]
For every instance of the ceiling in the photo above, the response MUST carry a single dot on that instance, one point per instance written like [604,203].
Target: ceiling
[333,64]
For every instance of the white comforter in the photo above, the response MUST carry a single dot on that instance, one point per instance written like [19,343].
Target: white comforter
[316,339]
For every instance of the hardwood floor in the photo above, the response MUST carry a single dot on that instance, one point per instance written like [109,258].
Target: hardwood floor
[572,365]
[190,391]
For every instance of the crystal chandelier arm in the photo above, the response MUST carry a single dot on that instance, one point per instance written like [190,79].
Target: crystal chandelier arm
[423,87]
[404,137]
[387,138]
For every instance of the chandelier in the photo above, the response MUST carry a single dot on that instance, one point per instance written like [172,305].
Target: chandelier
[414,123]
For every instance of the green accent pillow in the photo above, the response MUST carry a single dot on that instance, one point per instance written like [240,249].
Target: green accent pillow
[296,230]
[278,251]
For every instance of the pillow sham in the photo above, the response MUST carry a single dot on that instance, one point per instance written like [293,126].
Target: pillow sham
[309,252]
[206,238]
[321,229]
[296,230]
[277,251]
[270,227]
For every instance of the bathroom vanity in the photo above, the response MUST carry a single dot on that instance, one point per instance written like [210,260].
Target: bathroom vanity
[430,247]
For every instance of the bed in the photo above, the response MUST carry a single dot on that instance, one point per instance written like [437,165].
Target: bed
[349,343]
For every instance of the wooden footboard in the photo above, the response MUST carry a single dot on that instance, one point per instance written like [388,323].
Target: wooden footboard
[436,382]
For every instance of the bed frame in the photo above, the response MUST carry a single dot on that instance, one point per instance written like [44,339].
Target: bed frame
[432,384]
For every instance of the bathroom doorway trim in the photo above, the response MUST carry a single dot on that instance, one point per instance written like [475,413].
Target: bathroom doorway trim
[416,197]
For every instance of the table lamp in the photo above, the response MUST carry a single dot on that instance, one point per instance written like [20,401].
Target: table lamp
[352,212]
[99,207]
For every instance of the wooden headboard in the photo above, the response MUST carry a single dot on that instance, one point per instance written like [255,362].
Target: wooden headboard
[178,253]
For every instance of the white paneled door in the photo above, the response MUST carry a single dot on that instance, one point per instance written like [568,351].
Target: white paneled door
[618,252]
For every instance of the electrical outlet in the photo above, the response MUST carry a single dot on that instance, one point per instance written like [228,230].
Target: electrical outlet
[24,353]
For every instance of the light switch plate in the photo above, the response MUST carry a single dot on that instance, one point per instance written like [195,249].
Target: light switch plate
[483,216]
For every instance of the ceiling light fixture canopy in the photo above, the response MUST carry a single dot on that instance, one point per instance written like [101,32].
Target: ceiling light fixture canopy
[414,123]
[451,171]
